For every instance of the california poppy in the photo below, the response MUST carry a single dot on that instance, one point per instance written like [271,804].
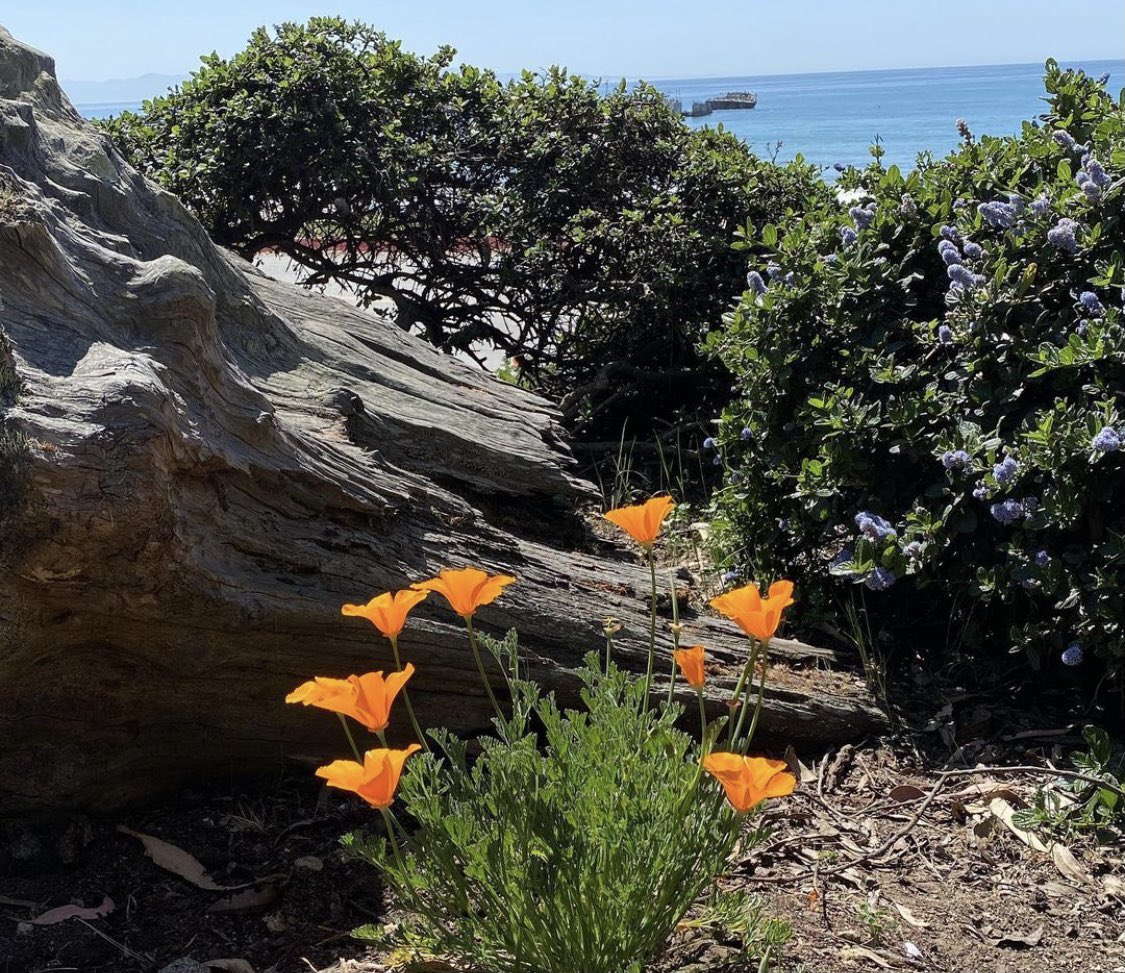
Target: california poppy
[749,780]
[366,699]
[642,521]
[375,780]
[467,589]
[690,662]
[388,611]
[758,617]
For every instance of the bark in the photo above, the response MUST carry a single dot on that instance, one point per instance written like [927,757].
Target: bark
[212,462]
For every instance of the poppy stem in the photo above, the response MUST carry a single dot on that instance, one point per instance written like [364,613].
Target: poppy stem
[675,638]
[651,629]
[480,667]
[736,725]
[389,822]
[761,698]
[702,722]
[406,699]
[351,739]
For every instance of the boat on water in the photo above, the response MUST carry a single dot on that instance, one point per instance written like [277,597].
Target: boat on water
[733,100]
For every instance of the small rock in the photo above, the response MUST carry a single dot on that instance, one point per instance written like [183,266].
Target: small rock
[311,862]
[23,928]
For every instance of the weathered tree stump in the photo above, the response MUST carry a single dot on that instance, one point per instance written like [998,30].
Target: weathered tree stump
[201,464]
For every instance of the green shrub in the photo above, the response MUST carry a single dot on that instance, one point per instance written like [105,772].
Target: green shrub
[583,854]
[584,234]
[941,423]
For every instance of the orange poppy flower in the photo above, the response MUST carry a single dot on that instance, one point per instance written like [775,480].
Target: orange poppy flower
[388,611]
[375,780]
[749,780]
[758,617]
[366,699]
[467,589]
[690,662]
[642,521]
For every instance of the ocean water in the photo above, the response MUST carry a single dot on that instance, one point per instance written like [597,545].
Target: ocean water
[834,118]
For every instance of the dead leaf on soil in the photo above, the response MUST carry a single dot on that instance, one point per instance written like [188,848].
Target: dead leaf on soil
[247,900]
[1004,812]
[868,955]
[176,860]
[230,965]
[905,793]
[64,912]
[1015,940]
[1114,886]
[1066,863]
[910,917]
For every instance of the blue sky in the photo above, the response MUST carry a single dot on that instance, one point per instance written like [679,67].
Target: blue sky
[651,38]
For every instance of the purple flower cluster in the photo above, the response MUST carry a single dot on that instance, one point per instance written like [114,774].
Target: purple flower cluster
[974,251]
[863,215]
[880,579]
[873,527]
[1000,215]
[1007,511]
[1005,471]
[1109,440]
[1040,204]
[949,252]
[730,577]
[949,232]
[746,435]
[981,491]
[709,443]
[945,334]
[1064,138]
[907,206]
[963,278]
[913,550]
[1073,654]
[755,283]
[1091,304]
[1042,559]
[1093,180]
[848,236]
[955,459]
[1064,235]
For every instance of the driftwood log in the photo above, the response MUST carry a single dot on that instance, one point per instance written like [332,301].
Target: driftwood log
[200,464]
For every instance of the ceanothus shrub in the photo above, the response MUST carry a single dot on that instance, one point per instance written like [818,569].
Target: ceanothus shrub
[926,394]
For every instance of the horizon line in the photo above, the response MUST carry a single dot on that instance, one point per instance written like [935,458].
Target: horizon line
[591,75]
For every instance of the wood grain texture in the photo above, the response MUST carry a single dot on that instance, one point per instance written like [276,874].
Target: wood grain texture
[217,461]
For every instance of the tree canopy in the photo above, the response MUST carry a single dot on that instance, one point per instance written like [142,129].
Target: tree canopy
[585,233]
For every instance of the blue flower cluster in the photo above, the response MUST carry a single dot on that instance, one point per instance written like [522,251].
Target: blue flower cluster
[755,283]
[974,251]
[1091,304]
[913,550]
[1040,204]
[955,459]
[746,435]
[1005,471]
[945,334]
[950,232]
[863,215]
[709,443]
[1064,235]
[1073,654]
[730,577]
[1064,138]
[949,252]
[1042,559]
[880,579]
[1000,215]
[848,236]
[981,491]
[1093,180]
[873,527]
[964,279]
[1109,440]
[1007,511]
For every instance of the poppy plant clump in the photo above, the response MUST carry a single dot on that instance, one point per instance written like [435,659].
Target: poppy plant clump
[614,801]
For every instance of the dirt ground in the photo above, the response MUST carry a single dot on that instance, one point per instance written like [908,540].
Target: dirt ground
[878,862]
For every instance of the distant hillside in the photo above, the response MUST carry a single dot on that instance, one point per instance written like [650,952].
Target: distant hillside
[120,89]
